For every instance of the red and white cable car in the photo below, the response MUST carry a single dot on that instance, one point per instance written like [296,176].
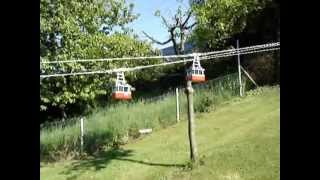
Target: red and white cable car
[122,90]
[196,73]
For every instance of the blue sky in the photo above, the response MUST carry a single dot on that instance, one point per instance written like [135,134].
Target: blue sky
[151,24]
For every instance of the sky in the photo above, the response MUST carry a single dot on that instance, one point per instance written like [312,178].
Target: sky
[151,24]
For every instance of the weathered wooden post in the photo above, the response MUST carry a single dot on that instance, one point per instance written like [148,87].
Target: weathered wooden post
[191,125]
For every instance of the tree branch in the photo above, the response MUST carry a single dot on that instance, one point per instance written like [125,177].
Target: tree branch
[187,19]
[191,26]
[155,41]
[165,22]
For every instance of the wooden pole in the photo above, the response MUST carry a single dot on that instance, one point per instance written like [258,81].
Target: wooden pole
[81,135]
[191,125]
[239,69]
[177,105]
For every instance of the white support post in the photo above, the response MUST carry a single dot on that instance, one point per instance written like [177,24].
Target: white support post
[81,134]
[239,69]
[177,105]
[245,72]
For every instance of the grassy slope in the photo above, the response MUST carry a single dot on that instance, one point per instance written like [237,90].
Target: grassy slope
[240,140]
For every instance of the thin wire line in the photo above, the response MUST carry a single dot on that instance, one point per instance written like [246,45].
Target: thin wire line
[116,70]
[162,57]
[242,49]
[236,53]
[156,65]
[119,59]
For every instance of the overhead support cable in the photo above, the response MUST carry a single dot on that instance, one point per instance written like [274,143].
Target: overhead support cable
[206,57]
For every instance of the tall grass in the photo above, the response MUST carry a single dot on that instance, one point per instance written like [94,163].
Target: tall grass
[120,122]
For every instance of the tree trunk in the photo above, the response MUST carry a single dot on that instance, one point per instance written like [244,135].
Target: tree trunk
[182,42]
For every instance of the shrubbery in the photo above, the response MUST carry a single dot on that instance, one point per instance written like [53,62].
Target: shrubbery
[117,124]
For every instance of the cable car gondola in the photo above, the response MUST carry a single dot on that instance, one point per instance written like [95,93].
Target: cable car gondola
[121,90]
[196,73]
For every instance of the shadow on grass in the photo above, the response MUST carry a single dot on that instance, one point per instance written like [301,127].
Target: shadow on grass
[96,163]
[151,164]
[101,161]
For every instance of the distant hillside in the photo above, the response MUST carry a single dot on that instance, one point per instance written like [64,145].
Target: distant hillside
[170,50]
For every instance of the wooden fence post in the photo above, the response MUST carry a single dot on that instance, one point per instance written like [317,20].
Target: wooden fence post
[177,105]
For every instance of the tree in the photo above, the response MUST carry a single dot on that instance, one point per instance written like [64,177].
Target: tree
[79,29]
[219,20]
[177,29]
[177,35]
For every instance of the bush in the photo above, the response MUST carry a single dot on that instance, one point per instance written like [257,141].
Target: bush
[203,103]
[264,68]
[115,125]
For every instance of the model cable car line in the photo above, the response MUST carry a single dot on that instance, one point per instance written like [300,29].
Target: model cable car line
[202,56]
[249,48]
[122,90]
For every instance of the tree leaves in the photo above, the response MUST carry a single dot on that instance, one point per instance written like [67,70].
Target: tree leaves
[219,20]
[78,25]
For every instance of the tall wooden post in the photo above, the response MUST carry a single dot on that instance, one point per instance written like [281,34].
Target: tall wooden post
[239,69]
[191,125]
[177,105]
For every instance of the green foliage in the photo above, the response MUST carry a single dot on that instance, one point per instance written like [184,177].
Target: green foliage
[264,68]
[261,90]
[108,127]
[80,29]
[219,20]
[240,140]
[219,89]
[204,103]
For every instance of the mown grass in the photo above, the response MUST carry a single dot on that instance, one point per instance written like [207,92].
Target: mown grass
[239,140]
[119,123]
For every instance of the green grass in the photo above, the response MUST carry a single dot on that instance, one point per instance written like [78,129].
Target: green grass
[107,127]
[240,139]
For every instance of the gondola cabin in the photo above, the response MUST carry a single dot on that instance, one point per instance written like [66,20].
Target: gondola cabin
[196,73]
[121,90]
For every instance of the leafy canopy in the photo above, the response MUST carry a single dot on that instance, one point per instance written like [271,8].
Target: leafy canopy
[85,29]
[219,20]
